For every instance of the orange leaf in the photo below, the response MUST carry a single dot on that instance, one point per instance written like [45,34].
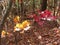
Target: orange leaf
[16,19]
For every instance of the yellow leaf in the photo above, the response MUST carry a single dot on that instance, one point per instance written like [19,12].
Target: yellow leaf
[3,32]
[25,23]
[18,25]
[21,26]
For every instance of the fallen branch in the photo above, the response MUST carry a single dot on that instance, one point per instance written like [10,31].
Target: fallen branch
[4,17]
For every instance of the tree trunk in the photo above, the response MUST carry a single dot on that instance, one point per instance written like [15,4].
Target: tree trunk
[44,5]
[33,6]
[22,7]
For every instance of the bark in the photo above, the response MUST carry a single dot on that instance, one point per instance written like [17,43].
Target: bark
[44,5]
[33,6]
[55,3]
[21,7]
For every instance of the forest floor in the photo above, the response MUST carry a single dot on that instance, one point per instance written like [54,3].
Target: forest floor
[49,34]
